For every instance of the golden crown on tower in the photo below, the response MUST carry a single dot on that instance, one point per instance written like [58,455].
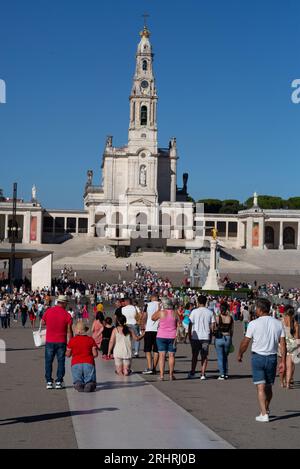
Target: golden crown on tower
[145,32]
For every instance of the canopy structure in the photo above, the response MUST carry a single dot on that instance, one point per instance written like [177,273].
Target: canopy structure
[42,261]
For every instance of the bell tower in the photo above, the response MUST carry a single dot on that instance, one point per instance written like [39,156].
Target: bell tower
[143,100]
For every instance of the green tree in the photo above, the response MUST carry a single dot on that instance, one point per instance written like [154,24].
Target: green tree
[293,203]
[267,202]
[211,205]
[231,206]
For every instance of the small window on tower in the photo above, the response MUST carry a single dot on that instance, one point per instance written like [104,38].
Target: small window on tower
[144,112]
[145,65]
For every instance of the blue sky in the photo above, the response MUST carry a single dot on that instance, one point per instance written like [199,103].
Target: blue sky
[223,71]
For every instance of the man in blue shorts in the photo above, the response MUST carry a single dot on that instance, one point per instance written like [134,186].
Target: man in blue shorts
[267,333]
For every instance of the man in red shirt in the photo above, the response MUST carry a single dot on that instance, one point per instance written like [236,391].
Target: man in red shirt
[58,324]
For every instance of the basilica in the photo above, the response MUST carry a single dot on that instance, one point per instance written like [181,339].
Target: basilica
[138,204]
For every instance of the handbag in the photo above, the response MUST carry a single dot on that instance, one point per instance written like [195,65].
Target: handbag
[39,337]
[231,350]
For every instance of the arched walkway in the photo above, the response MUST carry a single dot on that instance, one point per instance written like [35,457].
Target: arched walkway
[289,237]
[269,237]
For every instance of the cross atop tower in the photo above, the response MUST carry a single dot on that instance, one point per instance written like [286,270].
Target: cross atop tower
[145,16]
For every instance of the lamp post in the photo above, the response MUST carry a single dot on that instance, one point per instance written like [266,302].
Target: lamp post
[13,231]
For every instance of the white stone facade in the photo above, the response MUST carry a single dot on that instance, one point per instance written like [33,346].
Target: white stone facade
[138,177]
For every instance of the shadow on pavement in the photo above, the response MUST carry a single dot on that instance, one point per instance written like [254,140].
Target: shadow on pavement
[111,385]
[292,415]
[21,349]
[58,415]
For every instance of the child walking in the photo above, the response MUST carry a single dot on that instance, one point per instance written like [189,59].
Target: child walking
[120,341]
[106,335]
[83,350]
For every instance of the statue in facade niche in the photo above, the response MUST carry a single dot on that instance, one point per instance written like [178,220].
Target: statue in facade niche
[143,176]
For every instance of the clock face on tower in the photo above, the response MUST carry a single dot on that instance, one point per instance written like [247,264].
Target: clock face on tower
[144,84]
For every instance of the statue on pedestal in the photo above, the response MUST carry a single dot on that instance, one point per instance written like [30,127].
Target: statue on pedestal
[214,233]
[109,140]
[255,199]
[185,178]
[33,193]
[89,179]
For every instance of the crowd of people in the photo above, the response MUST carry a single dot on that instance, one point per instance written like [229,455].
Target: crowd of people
[80,326]
[158,323]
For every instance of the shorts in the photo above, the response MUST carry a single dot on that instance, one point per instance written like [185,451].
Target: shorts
[264,368]
[150,344]
[166,345]
[186,327]
[201,346]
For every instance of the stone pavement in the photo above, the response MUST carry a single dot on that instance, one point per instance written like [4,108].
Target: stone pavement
[128,413]
[32,417]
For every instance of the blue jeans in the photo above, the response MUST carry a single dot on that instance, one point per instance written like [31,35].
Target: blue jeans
[166,345]
[53,350]
[136,330]
[264,368]
[84,373]
[222,348]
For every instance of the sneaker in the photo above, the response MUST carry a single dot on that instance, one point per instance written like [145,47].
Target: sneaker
[226,377]
[147,371]
[136,355]
[49,385]
[154,371]
[191,375]
[221,378]
[203,377]
[58,385]
[262,418]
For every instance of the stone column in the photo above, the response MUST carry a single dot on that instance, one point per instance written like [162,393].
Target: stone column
[212,278]
[91,221]
[261,233]
[6,227]
[240,234]
[39,229]
[227,230]
[298,237]
[173,180]
[249,233]
[26,227]
[281,235]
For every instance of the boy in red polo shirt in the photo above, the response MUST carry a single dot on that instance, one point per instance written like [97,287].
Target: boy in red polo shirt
[83,350]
